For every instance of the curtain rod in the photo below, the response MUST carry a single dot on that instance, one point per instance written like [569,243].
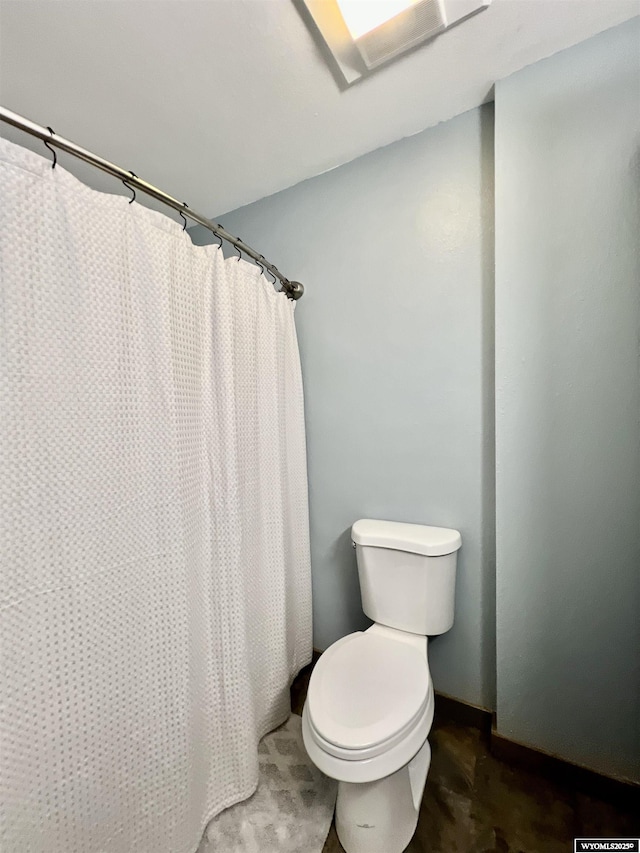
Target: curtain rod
[293,289]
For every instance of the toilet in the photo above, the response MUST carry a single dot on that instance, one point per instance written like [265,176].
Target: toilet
[370,702]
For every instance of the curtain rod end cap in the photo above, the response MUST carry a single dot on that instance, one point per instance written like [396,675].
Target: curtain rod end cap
[295,289]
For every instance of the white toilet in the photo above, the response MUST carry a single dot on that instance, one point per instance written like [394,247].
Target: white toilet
[369,706]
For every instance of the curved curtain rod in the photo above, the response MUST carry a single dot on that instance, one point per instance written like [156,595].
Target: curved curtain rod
[293,289]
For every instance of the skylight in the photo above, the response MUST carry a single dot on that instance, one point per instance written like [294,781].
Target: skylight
[362,35]
[362,16]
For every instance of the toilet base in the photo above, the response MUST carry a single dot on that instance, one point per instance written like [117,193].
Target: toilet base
[381,816]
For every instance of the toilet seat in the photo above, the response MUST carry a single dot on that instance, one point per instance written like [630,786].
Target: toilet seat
[367,693]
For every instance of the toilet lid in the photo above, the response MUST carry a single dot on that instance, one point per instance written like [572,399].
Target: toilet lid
[365,689]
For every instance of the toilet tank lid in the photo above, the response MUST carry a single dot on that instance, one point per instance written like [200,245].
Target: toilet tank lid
[400,536]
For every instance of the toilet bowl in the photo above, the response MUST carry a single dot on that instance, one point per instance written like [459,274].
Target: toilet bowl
[370,702]
[368,712]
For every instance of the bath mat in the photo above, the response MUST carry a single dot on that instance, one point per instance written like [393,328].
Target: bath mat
[292,807]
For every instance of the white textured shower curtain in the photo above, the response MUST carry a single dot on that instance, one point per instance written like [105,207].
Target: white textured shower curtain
[154,580]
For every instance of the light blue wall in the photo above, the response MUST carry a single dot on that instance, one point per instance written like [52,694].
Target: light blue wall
[568,403]
[396,335]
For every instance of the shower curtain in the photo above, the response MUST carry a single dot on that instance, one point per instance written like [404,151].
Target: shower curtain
[154,576]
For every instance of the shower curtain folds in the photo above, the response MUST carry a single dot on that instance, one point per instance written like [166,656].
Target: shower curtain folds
[154,574]
[293,289]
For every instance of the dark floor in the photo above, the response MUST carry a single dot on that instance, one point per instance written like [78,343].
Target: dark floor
[475,803]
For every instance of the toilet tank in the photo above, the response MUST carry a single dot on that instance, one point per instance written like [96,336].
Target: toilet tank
[407,574]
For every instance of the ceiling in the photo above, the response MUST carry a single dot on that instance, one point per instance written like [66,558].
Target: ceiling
[222,102]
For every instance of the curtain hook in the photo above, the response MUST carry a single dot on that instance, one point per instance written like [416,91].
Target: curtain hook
[215,234]
[131,200]
[55,156]
[262,258]
[235,245]
[262,266]
[184,227]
